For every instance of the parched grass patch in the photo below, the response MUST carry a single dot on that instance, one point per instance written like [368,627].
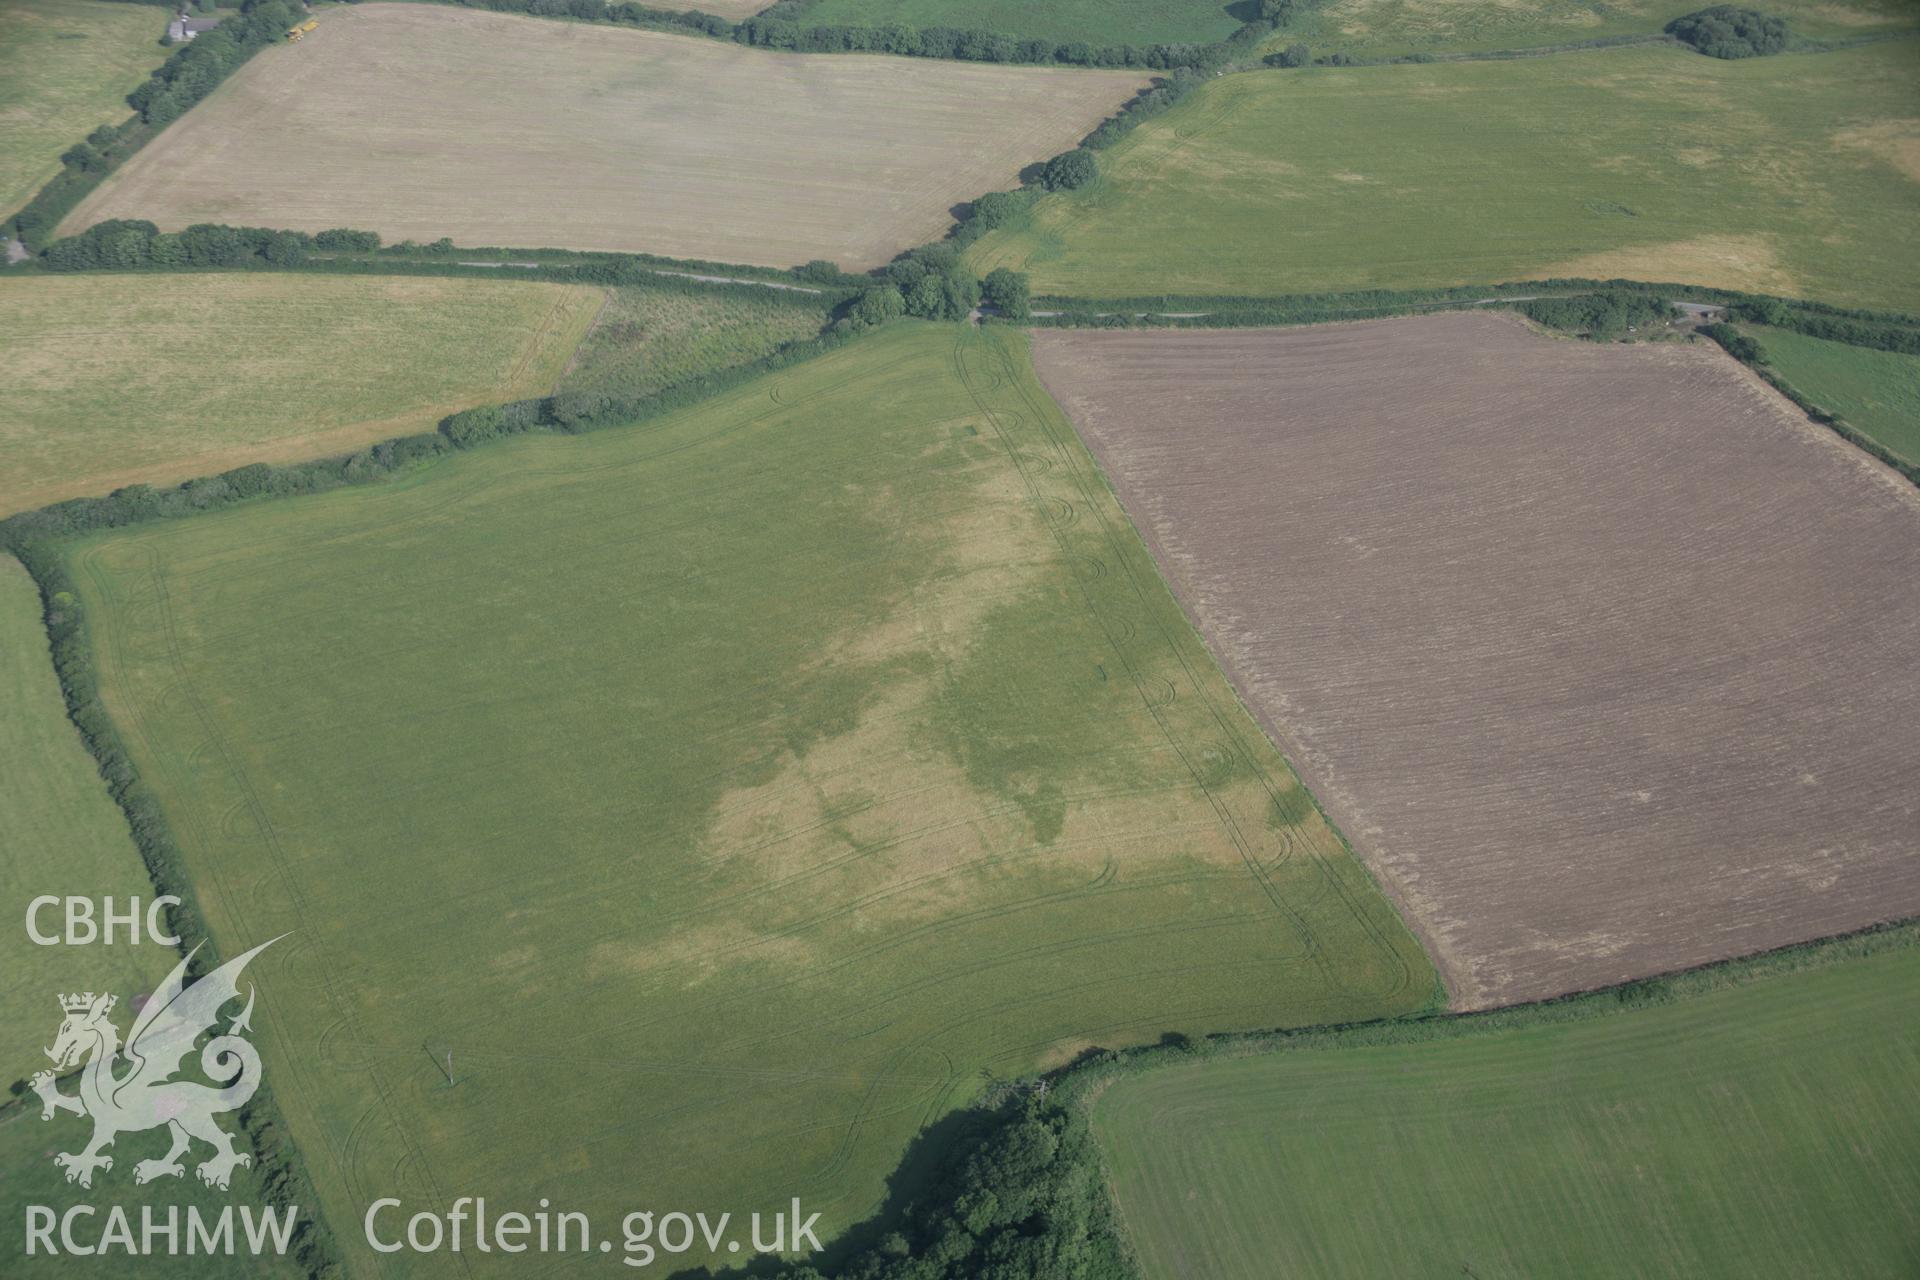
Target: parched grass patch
[62,834]
[778,774]
[66,67]
[1660,164]
[733,795]
[422,121]
[117,379]
[1759,1129]
[644,339]
[1876,391]
[1097,22]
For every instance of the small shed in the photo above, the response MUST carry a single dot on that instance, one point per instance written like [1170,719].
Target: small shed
[185,28]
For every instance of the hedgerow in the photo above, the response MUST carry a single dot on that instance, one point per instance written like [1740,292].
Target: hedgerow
[1754,356]
[784,26]
[34,539]
[1601,315]
[1026,1196]
[193,71]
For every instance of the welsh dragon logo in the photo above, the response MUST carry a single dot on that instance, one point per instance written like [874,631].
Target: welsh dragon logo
[130,1088]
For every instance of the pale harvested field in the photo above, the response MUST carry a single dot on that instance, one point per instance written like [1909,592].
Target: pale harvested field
[419,121]
[203,373]
[1602,656]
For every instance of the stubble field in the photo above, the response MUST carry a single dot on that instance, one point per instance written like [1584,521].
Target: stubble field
[417,121]
[1789,175]
[119,379]
[733,795]
[1763,1128]
[1599,655]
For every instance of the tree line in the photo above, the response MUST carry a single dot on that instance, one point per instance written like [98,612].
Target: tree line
[1752,354]
[1729,31]
[189,74]
[783,26]
[1602,315]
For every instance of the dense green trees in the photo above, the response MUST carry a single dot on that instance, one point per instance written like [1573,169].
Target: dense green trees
[780,27]
[345,238]
[1602,316]
[1144,106]
[191,74]
[176,84]
[1070,170]
[1903,339]
[1021,1198]
[1294,55]
[998,208]
[1281,12]
[1729,31]
[879,304]
[121,244]
[1007,292]
[1737,344]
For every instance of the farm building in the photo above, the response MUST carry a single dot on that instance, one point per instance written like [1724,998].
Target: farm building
[184,28]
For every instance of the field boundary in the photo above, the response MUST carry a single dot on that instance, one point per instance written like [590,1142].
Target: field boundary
[44,540]
[39,540]
[1749,352]
[1060,1099]
[779,27]
[1004,1129]
[198,67]
[279,1163]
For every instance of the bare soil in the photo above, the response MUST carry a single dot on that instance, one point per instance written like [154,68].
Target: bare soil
[422,121]
[1602,656]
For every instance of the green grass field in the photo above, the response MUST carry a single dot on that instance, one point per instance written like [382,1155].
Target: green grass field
[1098,22]
[1392,28]
[1875,391]
[28,1176]
[1794,175]
[116,379]
[63,835]
[645,339]
[1765,1128]
[66,67]
[734,795]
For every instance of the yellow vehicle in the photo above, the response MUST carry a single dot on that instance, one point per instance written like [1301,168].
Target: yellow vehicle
[294,33]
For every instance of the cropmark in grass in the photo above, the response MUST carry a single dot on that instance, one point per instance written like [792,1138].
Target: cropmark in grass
[734,795]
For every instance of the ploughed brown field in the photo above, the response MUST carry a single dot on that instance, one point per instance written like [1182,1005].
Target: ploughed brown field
[1606,660]
[421,121]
